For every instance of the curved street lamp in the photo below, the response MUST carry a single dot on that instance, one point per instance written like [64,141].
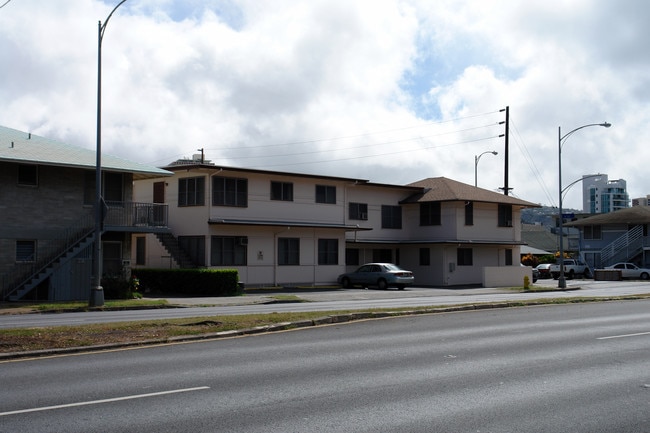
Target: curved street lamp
[476,159]
[561,283]
[96,291]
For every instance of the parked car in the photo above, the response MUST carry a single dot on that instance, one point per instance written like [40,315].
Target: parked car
[544,270]
[630,270]
[381,275]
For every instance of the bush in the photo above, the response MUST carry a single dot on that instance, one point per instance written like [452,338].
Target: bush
[190,282]
[119,288]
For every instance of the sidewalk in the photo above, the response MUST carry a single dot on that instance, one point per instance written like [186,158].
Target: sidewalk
[315,294]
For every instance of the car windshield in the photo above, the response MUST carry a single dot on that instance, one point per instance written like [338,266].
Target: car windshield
[392,267]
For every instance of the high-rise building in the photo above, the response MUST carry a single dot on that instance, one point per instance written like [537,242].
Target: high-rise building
[600,195]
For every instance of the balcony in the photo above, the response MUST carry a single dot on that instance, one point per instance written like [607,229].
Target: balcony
[135,217]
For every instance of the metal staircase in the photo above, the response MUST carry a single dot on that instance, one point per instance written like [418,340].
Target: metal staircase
[170,242]
[72,241]
[624,248]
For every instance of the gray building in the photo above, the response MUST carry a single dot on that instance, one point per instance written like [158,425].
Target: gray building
[47,194]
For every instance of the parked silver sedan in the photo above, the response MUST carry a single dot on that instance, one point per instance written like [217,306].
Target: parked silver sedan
[630,270]
[381,275]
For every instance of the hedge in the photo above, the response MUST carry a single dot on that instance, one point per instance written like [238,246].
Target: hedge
[190,282]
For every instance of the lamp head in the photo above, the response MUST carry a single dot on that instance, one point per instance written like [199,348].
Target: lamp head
[606,124]
[494,152]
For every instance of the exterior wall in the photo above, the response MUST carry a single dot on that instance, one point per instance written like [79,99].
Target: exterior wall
[48,213]
[508,276]
[263,221]
[39,212]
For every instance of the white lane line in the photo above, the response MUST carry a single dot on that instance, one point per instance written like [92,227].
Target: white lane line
[623,336]
[108,400]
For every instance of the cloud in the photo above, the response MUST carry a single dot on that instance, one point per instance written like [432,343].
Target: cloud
[392,90]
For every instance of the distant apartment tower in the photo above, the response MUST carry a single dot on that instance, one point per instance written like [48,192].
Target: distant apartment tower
[600,195]
[641,201]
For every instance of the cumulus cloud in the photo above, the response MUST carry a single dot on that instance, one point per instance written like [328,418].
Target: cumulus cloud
[391,90]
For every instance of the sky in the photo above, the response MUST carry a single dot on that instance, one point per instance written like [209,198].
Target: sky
[391,91]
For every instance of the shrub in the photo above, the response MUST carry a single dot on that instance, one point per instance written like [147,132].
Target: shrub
[190,282]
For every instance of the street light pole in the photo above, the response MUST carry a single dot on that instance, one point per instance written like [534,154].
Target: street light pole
[97,292]
[476,159]
[561,283]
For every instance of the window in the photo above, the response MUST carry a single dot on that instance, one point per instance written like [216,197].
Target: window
[28,174]
[430,213]
[325,194]
[25,251]
[288,251]
[194,247]
[358,211]
[191,191]
[382,255]
[352,256]
[425,256]
[469,213]
[592,232]
[113,186]
[140,250]
[505,215]
[282,191]
[464,257]
[391,217]
[229,251]
[229,191]
[328,251]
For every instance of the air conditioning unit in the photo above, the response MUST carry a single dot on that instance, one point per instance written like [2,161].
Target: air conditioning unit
[243,241]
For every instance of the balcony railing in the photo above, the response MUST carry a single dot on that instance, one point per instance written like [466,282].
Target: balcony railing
[135,215]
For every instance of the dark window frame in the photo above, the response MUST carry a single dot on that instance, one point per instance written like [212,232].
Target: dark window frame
[281,191]
[289,251]
[505,215]
[26,251]
[469,213]
[358,211]
[140,250]
[592,232]
[194,247]
[465,257]
[391,217]
[431,213]
[352,256]
[27,175]
[229,191]
[326,194]
[228,251]
[191,191]
[425,256]
[328,251]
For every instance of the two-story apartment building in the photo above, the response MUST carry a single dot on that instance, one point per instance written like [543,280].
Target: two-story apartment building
[620,236]
[280,228]
[47,202]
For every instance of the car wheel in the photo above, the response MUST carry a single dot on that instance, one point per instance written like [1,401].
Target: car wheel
[382,285]
[587,273]
[571,275]
[400,287]
[645,276]
[345,283]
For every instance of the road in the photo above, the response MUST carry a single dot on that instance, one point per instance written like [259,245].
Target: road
[557,368]
[338,300]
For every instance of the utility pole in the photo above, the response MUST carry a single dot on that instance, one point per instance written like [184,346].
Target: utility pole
[506,188]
